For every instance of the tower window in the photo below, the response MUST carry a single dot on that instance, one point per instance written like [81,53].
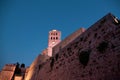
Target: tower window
[51,33]
[56,38]
[51,38]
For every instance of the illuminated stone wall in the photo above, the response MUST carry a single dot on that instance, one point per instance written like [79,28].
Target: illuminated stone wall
[7,72]
[36,65]
[94,55]
[18,78]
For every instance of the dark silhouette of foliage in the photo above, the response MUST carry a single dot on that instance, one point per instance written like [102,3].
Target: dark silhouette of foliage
[84,57]
[102,46]
[17,64]
[22,65]
[18,71]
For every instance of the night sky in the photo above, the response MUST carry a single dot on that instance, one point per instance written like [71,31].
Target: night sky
[24,24]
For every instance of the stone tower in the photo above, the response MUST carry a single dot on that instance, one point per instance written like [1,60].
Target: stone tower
[53,39]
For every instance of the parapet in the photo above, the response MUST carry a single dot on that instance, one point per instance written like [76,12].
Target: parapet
[9,67]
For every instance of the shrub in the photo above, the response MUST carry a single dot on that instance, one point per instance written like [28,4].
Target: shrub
[102,46]
[84,57]
[18,71]
[22,65]
[17,65]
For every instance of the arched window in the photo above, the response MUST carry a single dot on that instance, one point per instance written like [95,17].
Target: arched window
[51,38]
[56,33]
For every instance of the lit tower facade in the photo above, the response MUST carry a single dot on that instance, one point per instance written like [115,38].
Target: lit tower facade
[53,39]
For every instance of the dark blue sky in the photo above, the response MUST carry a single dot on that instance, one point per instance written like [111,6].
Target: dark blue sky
[24,24]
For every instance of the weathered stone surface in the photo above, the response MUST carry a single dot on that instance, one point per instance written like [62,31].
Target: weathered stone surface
[94,55]
[67,40]
[36,66]
[7,72]
[13,72]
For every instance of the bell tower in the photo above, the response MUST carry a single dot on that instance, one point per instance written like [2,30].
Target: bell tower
[53,39]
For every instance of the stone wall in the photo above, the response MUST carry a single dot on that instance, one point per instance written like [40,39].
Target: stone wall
[67,40]
[13,72]
[7,72]
[94,55]
[36,65]
[18,78]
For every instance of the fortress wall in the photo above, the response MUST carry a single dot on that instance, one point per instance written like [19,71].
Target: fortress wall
[83,58]
[36,64]
[67,40]
[6,75]
[7,72]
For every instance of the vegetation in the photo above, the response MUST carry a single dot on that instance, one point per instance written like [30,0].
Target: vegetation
[18,68]
[17,64]
[22,65]
[18,71]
